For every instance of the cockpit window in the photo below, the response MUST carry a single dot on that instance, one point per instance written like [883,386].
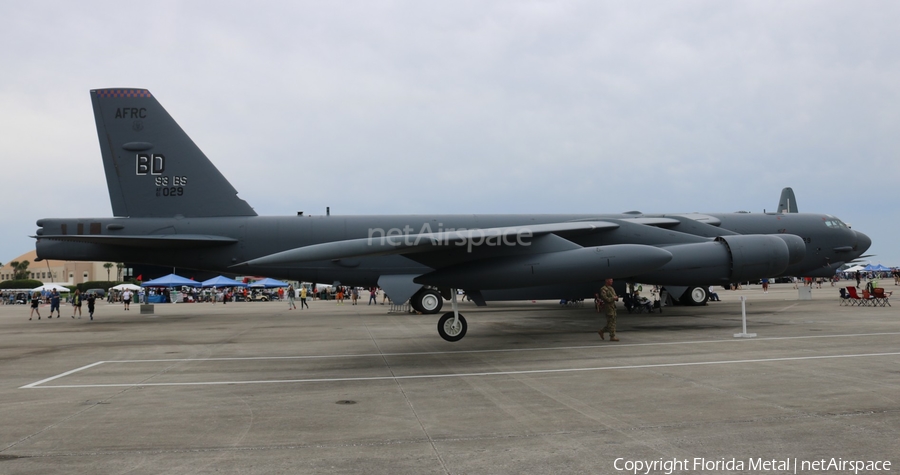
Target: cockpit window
[833,222]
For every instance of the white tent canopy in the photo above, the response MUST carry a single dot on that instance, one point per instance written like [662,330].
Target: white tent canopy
[130,287]
[51,287]
[854,269]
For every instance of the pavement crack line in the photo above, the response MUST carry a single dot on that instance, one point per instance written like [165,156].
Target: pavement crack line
[408,402]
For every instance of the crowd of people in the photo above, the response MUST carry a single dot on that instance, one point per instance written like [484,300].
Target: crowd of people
[304,292]
[53,298]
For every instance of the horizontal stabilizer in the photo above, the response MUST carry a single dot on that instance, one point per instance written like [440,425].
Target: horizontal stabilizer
[380,244]
[151,241]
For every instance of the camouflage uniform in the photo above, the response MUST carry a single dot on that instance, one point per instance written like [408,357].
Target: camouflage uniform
[608,296]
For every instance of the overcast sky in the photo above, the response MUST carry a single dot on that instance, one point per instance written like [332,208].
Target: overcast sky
[396,107]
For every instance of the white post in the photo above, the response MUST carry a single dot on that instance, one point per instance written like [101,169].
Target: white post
[744,334]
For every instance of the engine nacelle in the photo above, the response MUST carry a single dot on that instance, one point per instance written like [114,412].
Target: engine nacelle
[727,259]
[758,256]
[587,264]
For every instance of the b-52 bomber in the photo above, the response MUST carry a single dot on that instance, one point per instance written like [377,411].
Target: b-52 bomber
[173,207]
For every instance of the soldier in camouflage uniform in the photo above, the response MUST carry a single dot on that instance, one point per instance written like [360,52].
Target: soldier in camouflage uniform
[609,298]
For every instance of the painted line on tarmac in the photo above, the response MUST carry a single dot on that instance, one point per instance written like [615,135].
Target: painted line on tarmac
[502,350]
[461,352]
[464,375]
[32,385]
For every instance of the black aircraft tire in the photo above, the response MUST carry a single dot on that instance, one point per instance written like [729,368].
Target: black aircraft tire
[431,302]
[427,301]
[446,330]
[695,296]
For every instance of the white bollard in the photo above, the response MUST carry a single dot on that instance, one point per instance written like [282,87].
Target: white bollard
[744,334]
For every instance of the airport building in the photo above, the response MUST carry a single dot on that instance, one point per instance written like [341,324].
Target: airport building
[61,272]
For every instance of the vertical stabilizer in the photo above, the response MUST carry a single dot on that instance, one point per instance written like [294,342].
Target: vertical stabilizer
[787,203]
[153,169]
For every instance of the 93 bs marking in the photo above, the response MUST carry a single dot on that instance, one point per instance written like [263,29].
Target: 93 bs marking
[176,181]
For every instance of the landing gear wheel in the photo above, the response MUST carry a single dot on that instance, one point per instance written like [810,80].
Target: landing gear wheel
[695,296]
[450,332]
[427,301]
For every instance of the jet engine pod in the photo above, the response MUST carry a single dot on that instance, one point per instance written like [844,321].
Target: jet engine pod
[796,246]
[577,265]
[757,256]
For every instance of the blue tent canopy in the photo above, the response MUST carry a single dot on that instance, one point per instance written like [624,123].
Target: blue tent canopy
[268,283]
[221,281]
[171,280]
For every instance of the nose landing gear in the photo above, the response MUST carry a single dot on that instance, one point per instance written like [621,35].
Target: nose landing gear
[452,326]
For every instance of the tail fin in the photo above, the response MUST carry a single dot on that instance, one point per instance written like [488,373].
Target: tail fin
[787,203]
[153,169]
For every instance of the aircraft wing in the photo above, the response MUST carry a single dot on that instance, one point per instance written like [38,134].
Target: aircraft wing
[149,241]
[380,245]
[671,220]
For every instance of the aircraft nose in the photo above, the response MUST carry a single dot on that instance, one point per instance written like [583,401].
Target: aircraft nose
[862,242]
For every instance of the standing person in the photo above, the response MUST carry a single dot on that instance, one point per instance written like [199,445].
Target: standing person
[54,303]
[76,303]
[339,296]
[609,298]
[765,286]
[91,299]
[354,294]
[858,278]
[35,301]
[126,299]
[290,292]
[303,297]
[373,295]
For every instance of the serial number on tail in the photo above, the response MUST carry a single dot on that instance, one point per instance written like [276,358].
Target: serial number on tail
[167,191]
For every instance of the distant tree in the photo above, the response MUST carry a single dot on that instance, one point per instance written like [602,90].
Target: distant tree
[119,267]
[108,266]
[20,269]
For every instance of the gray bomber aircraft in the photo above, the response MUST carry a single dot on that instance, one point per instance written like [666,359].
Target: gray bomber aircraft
[173,207]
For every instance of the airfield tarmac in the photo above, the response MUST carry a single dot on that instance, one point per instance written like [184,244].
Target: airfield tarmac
[257,388]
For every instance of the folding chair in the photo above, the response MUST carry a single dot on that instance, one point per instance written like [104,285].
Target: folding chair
[855,299]
[845,297]
[880,297]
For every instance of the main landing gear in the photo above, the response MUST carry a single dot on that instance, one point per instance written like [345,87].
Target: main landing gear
[426,301]
[695,296]
[452,326]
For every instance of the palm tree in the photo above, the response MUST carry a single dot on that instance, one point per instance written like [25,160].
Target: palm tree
[20,269]
[119,267]
[108,266]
